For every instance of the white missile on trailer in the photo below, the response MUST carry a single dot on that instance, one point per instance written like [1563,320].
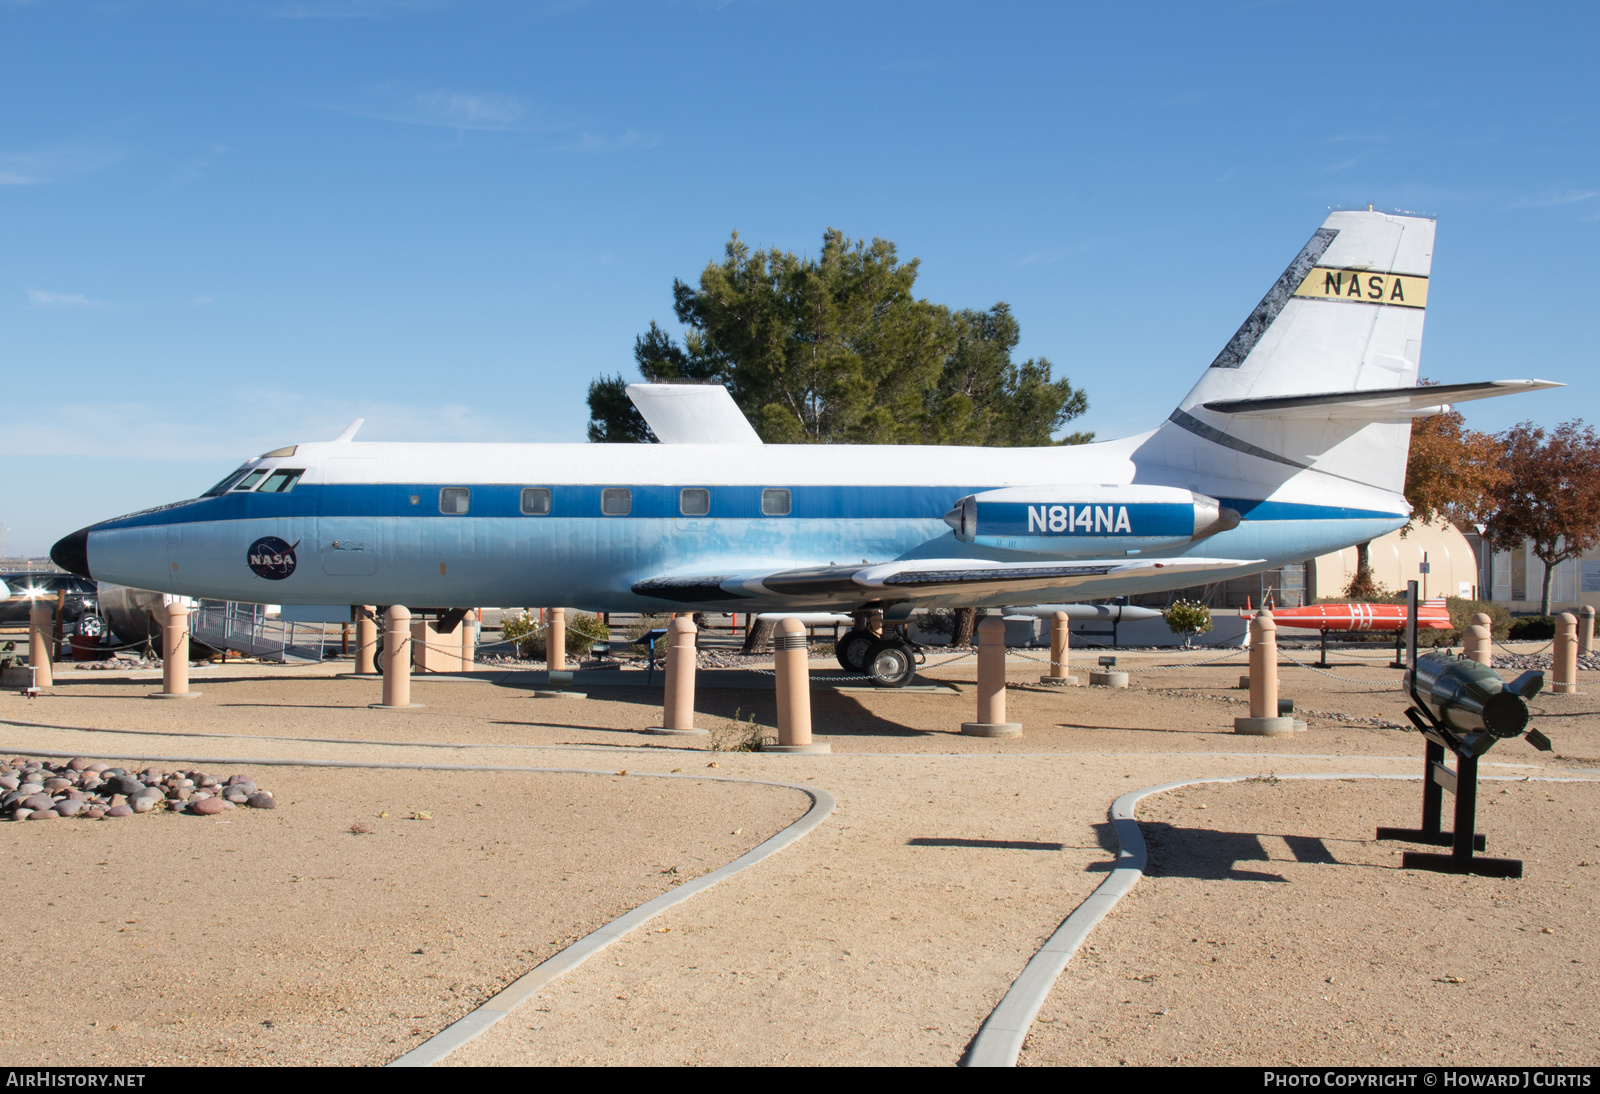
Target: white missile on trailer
[1104,613]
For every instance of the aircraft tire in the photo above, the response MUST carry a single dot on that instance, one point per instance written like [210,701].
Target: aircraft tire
[891,663]
[851,650]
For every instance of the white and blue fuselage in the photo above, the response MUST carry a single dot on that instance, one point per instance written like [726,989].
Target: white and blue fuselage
[440,525]
[1292,444]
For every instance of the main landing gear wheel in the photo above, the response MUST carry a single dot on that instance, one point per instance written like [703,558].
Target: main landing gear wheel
[851,650]
[891,663]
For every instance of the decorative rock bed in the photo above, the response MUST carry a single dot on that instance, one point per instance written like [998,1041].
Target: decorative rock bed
[1521,662]
[41,790]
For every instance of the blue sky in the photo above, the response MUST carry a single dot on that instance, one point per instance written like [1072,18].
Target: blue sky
[230,226]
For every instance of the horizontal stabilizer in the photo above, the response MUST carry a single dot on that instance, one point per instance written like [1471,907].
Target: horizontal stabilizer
[692,414]
[921,579]
[1374,404]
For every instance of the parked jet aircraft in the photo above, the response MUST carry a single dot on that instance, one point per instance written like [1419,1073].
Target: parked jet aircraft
[1292,444]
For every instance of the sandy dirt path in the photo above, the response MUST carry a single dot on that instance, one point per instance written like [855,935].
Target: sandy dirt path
[283,937]
[1271,930]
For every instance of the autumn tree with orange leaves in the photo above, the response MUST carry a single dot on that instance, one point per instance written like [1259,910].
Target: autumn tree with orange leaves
[1549,496]
[1452,472]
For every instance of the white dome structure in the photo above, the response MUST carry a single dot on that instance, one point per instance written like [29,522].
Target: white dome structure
[1397,559]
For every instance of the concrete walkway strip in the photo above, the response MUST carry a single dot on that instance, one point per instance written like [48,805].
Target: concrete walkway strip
[999,1042]
[519,991]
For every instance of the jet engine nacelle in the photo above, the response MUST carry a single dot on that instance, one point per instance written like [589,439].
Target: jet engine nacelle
[1088,520]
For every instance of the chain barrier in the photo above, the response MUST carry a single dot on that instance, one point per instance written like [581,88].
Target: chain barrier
[1347,679]
[1232,653]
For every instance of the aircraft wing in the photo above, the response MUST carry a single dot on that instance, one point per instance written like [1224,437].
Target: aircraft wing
[1374,404]
[922,579]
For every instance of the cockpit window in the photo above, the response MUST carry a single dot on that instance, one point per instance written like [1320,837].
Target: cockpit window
[250,480]
[226,484]
[281,481]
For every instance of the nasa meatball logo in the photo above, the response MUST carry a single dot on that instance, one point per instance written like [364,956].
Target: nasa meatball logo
[271,558]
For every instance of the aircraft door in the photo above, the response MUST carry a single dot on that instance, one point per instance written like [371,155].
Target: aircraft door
[347,538]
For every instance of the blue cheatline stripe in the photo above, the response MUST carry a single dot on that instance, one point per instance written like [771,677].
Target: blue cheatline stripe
[649,502]
[1294,510]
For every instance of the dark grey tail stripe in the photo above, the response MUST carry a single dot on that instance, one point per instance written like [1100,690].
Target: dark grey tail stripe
[1245,339]
[1216,436]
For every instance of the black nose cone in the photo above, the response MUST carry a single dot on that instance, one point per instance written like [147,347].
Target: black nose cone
[71,553]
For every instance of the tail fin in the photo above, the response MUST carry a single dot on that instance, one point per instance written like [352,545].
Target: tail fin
[1345,316]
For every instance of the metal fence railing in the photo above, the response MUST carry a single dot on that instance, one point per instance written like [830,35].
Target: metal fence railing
[246,629]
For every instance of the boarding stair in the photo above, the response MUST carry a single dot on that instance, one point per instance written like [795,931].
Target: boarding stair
[245,628]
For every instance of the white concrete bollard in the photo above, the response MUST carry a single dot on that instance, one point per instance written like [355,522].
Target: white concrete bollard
[794,691]
[39,620]
[175,654]
[1060,641]
[1486,650]
[1586,631]
[1564,658]
[992,683]
[678,700]
[396,660]
[555,639]
[1477,645]
[366,640]
[1264,720]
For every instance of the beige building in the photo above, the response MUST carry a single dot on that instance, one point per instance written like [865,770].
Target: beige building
[1518,580]
[1455,568]
[1452,564]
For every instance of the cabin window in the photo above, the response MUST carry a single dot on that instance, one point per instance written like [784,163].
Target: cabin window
[535,501]
[250,480]
[454,501]
[694,501]
[616,501]
[226,484]
[281,481]
[775,502]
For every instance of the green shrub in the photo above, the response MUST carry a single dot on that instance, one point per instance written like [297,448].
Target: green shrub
[1187,618]
[647,623]
[1533,628]
[583,631]
[1462,611]
[736,735]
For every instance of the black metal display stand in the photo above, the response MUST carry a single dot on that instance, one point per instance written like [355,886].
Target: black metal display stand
[1397,663]
[1436,779]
